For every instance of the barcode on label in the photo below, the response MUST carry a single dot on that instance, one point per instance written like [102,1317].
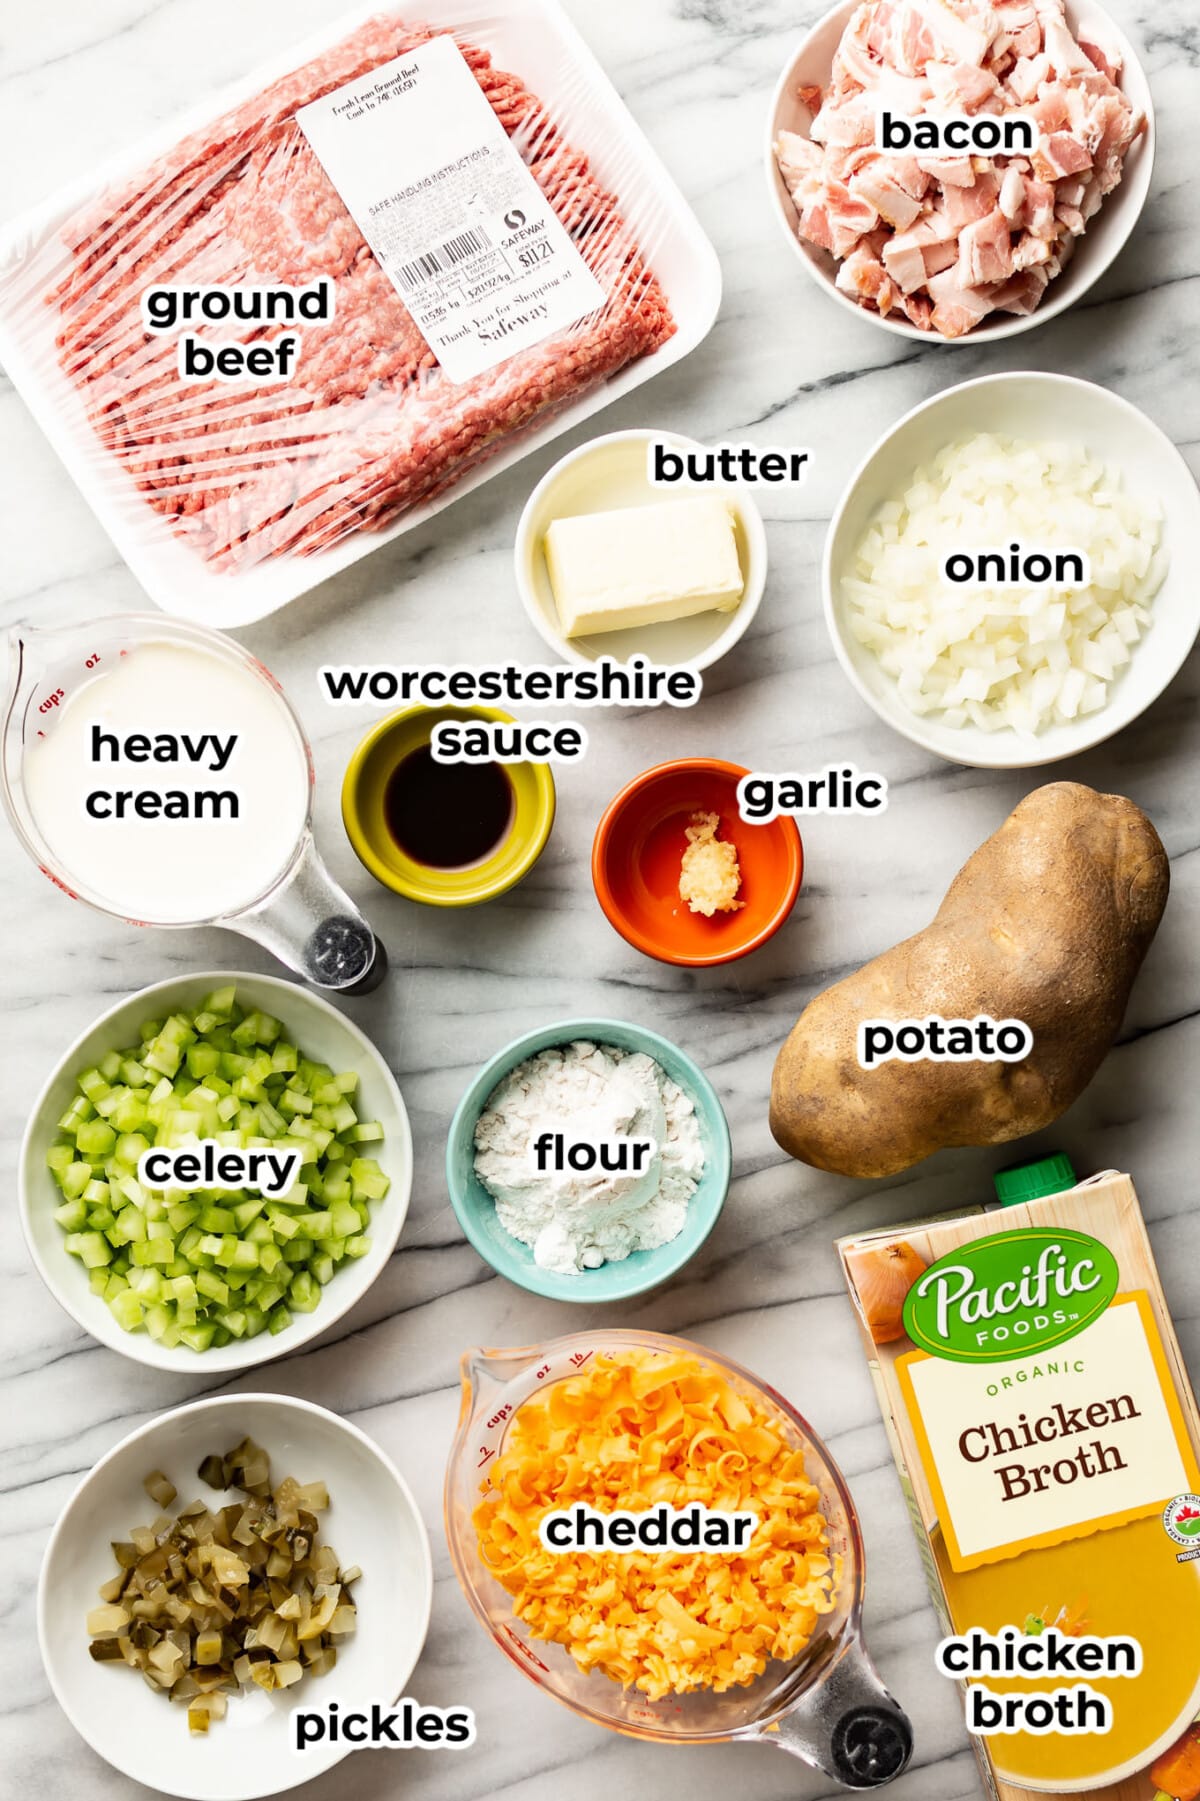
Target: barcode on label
[432,263]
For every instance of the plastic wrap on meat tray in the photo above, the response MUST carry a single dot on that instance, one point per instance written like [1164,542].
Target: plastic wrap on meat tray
[369,425]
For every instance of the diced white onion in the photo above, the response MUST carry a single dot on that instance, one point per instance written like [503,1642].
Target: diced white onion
[1017,658]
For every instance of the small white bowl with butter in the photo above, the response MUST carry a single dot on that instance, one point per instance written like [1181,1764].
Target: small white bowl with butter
[609,564]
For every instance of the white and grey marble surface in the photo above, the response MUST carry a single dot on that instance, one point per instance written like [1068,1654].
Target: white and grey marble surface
[783,366]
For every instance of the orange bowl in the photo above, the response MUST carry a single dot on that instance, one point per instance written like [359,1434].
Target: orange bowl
[638,852]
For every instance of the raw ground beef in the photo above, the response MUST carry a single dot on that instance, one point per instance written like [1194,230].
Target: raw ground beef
[369,425]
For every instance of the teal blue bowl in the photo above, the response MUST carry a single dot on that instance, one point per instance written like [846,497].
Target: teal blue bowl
[642,1270]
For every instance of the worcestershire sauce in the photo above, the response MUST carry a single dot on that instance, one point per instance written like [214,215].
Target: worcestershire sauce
[447,815]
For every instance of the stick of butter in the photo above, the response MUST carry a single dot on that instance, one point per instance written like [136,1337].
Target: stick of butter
[643,565]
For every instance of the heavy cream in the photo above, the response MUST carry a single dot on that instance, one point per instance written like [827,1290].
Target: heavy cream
[171,786]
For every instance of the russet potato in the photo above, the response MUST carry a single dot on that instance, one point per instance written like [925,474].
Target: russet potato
[1048,922]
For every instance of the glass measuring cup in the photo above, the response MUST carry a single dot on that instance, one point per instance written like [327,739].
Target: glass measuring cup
[302,916]
[827,1707]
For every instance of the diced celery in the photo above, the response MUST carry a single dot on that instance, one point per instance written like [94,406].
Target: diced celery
[127,1310]
[131,1226]
[202,1060]
[94,1250]
[201,1269]
[197,1338]
[130,1114]
[345,1220]
[157,1320]
[93,1083]
[304,1294]
[370,1183]
[130,1147]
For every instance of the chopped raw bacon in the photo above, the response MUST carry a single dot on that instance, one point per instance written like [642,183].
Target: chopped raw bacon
[879,188]
[1060,155]
[963,206]
[946,238]
[864,276]
[985,253]
[957,306]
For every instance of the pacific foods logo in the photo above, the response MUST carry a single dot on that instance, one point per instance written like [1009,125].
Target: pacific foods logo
[1011,1295]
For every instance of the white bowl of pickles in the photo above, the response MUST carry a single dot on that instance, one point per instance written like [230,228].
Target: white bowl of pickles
[228,1564]
[199,1278]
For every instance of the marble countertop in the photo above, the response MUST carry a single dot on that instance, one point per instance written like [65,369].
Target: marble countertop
[782,367]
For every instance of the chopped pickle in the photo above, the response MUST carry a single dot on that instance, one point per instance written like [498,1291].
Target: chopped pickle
[210,1600]
[159,1488]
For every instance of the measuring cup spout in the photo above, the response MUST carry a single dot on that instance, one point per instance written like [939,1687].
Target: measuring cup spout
[487,1373]
[848,1726]
[313,926]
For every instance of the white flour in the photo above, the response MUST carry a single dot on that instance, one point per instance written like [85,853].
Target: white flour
[589,1092]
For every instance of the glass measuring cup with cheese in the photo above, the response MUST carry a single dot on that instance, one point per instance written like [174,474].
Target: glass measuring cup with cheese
[661,1668]
[157,772]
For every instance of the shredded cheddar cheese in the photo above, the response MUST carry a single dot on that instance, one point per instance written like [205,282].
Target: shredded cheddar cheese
[631,1431]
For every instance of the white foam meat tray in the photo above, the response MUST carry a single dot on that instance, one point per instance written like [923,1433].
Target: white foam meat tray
[536,40]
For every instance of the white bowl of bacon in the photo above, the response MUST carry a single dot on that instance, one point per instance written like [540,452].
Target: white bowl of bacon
[956,247]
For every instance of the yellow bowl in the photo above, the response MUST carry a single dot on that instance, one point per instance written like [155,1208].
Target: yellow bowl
[366,779]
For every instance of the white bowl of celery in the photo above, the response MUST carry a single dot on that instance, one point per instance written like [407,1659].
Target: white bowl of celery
[225,1278]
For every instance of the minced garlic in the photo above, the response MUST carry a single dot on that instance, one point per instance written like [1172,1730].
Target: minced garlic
[709,879]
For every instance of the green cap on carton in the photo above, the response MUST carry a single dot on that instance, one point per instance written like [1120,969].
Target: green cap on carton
[1030,1181]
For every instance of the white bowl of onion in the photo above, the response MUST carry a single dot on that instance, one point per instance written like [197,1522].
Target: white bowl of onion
[1091,659]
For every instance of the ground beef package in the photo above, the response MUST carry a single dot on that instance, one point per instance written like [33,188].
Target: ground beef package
[467,273]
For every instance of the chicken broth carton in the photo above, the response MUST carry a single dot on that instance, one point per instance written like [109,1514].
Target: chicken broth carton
[1047,1438]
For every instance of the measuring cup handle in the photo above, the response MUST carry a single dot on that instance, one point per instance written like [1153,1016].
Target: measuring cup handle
[848,1726]
[313,926]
